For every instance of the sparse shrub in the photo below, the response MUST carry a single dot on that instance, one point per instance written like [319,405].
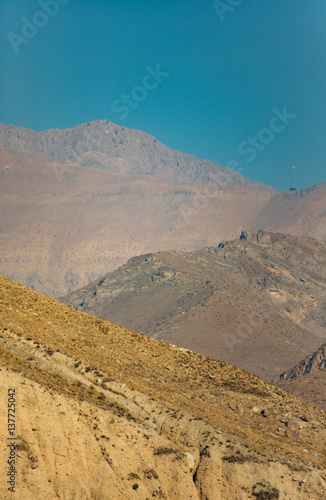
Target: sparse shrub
[235,459]
[133,475]
[165,451]
[150,473]
[264,491]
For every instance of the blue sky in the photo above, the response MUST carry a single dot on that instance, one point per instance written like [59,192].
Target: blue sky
[242,83]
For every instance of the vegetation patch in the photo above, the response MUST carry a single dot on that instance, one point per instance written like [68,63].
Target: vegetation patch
[264,491]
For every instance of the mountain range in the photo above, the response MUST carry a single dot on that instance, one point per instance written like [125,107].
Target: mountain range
[105,145]
[66,219]
[212,269]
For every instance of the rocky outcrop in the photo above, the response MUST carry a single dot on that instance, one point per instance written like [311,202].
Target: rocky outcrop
[262,293]
[312,363]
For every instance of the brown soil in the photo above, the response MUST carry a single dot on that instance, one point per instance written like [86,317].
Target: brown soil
[106,413]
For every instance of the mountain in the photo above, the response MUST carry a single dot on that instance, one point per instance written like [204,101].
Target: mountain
[256,302]
[307,379]
[63,225]
[106,413]
[300,213]
[107,146]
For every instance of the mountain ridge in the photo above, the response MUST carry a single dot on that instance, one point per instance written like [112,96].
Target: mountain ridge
[307,379]
[108,146]
[262,293]
[62,225]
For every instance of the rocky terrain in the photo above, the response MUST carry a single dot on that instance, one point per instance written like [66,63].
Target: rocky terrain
[307,379]
[62,225]
[106,413]
[257,302]
[107,146]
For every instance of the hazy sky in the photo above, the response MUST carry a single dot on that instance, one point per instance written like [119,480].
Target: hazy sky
[241,81]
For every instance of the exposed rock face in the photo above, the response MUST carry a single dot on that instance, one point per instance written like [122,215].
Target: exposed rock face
[106,413]
[307,379]
[314,362]
[256,302]
[261,236]
[110,147]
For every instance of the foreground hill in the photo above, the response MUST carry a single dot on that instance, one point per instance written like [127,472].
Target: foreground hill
[63,225]
[307,378]
[103,412]
[107,146]
[257,302]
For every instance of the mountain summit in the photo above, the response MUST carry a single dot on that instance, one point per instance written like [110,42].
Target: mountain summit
[107,146]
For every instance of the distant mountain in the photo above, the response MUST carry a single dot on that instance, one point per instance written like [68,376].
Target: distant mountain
[300,213]
[107,146]
[105,413]
[257,302]
[307,379]
[63,225]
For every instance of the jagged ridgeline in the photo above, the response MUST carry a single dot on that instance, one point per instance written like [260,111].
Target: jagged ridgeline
[108,146]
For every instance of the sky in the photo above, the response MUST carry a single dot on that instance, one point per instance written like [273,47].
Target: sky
[238,82]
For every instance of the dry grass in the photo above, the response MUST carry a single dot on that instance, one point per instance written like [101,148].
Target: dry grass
[193,383]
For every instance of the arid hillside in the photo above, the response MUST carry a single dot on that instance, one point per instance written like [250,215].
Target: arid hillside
[106,413]
[257,302]
[63,225]
[307,379]
[107,146]
[300,213]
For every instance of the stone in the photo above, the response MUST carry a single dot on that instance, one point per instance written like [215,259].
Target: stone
[191,460]
[296,423]
[293,434]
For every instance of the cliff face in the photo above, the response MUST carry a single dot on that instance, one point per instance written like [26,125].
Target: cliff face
[312,363]
[103,412]
[307,379]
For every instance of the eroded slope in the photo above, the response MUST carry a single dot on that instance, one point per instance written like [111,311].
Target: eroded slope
[256,302]
[105,413]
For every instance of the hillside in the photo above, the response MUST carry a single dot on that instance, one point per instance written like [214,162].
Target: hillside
[105,413]
[256,302]
[107,146]
[300,213]
[63,225]
[307,379]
